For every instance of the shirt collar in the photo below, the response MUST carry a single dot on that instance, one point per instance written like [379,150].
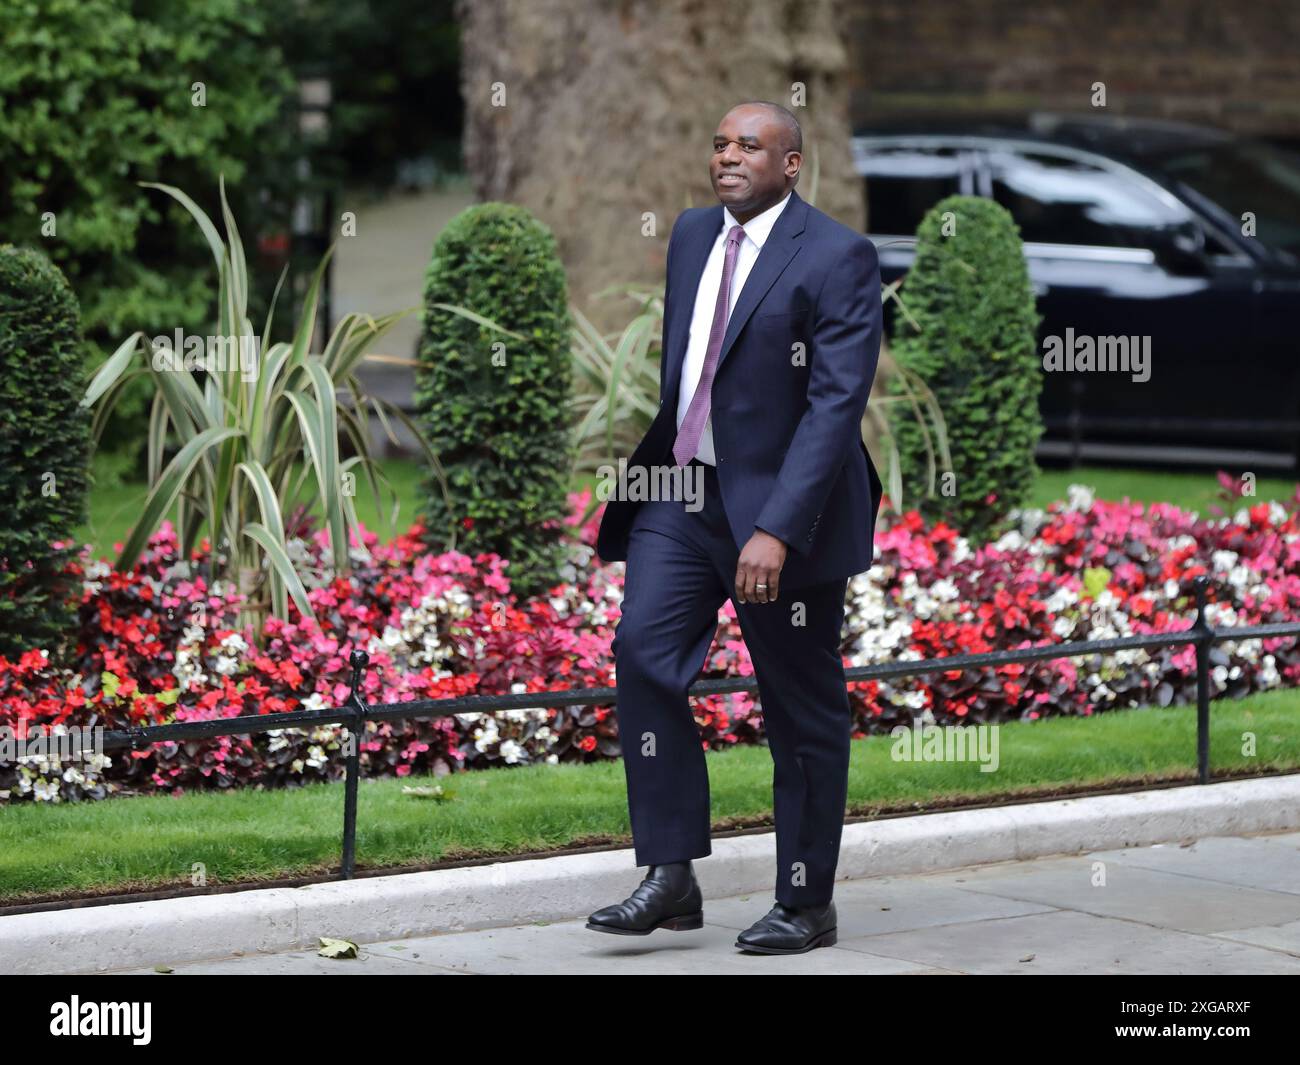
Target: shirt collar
[758,227]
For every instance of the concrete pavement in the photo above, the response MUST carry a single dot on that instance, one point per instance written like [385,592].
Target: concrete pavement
[1221,905]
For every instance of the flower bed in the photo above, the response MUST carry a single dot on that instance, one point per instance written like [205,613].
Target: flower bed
[159,645]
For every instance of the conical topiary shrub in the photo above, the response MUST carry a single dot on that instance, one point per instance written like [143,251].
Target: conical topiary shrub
[44,452]
[495,402]
[976,348]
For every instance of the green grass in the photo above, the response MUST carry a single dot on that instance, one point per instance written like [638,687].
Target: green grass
[1190,490]
[115,502]
[250,835]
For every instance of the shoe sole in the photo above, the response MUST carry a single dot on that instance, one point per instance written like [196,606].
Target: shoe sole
[825,939]
[683,923]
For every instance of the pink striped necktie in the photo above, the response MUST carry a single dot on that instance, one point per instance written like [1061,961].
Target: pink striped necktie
[692,430]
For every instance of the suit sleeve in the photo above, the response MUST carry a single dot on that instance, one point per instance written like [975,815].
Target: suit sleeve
[845,350]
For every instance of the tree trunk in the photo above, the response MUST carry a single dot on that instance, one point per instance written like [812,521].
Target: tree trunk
[610,109]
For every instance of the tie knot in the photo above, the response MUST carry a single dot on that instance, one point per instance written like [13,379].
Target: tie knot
[736,234]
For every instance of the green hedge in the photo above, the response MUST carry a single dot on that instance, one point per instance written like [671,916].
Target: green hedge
[496,408]
[976,348]
[97,95]
[44,451]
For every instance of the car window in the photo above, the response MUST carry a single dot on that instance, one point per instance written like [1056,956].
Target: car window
[1246,177]
[901,184]
[1061,200]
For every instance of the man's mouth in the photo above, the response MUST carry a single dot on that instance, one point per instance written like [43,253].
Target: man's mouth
[729,181]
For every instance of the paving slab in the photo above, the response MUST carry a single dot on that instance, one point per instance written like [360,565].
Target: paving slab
[1066,942]
[1090,884]
[1156,910]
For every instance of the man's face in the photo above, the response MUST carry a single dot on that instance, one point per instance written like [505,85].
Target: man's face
[750,168]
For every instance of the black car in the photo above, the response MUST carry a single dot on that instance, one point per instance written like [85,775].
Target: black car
[1132,229]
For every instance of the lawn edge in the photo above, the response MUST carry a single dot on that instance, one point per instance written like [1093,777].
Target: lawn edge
[201,928]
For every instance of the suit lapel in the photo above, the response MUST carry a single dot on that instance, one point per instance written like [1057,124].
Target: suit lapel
[782,244]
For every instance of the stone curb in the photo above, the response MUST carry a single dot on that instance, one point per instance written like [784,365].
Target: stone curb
[200,928]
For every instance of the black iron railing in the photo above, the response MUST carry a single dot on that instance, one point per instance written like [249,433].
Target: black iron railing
[355,713]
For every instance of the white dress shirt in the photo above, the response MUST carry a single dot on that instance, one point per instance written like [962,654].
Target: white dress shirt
[706,300]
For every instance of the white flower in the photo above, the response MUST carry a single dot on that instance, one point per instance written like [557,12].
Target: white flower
[1010,541]
[1222,561]
[1240,576]
[225,665]
[1079,497]
[1268,675]
[944,589]
[1060,600]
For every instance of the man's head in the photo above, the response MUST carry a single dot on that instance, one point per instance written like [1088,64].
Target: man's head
[757,151]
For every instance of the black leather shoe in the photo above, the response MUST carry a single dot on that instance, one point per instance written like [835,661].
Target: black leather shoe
[791,931]
[669,897]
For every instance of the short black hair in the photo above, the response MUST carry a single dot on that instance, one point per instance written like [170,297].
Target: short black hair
[793,132]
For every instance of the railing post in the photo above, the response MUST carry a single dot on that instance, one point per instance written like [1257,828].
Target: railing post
[357,729]
[1203,632]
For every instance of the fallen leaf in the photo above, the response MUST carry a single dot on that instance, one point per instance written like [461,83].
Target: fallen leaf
[337,948]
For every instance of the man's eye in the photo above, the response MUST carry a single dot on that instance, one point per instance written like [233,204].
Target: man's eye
[750,147]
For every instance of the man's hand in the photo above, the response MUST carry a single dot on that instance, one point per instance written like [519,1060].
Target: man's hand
[759,568]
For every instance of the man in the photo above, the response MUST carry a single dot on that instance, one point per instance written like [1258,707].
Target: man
[771,336]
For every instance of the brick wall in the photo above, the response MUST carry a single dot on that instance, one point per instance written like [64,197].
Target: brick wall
[1230,64]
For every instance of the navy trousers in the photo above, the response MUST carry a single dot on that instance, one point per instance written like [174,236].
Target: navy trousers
[681,568]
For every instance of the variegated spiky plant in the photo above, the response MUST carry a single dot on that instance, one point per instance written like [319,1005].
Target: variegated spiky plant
[251,447]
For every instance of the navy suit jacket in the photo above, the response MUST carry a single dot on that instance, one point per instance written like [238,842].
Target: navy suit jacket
[792,382]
